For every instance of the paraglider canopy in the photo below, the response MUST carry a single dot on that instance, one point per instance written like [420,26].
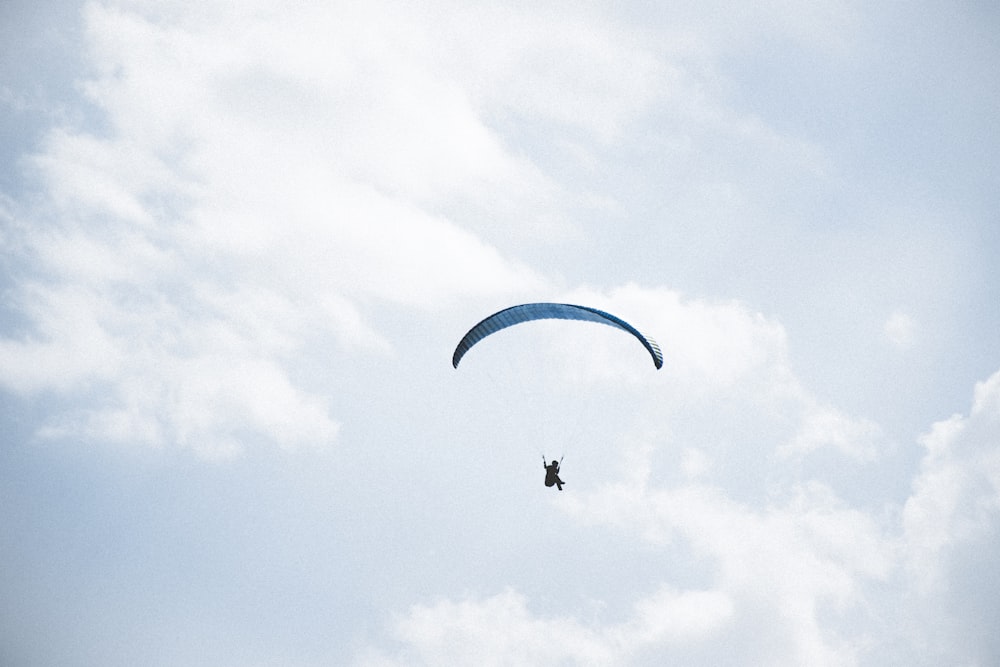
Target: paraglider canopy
[545,311]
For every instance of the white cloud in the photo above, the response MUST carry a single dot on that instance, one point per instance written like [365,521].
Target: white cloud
[243,204]
[956,497]
[69,348]
[581,70]
[900,329]
[695,463]
[348,86]
[717,350]
[825,426]
[781,576]
[708,348]
[501,630]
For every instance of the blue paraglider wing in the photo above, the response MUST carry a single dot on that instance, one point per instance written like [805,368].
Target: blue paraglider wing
[549,311]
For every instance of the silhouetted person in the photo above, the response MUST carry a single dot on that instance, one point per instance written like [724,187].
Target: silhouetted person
[552,474]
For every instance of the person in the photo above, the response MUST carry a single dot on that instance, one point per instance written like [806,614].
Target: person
[552,474]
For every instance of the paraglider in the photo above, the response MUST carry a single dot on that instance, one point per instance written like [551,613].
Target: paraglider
[549,311]
[545,311]
[552,474]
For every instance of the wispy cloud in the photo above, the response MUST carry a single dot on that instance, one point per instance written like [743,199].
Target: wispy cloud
[205,236]
[900,329]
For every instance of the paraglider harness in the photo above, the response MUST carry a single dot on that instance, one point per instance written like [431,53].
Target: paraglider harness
[552,473]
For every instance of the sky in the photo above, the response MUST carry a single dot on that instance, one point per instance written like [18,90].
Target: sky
[240,242]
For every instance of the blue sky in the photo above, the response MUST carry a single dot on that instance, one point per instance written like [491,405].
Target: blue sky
[240,244]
